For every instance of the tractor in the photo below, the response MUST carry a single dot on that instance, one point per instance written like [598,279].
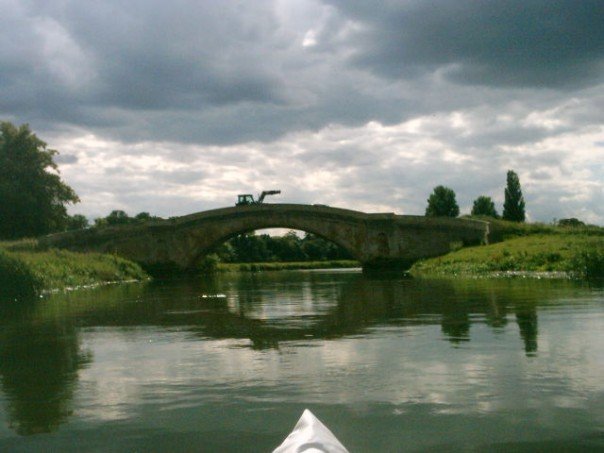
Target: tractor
[247,199]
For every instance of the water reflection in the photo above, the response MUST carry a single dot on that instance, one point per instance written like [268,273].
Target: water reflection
[41,354]
[526,317]
[39,364]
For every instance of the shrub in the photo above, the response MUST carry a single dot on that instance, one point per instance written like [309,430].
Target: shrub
[17,280]
[589,265]
[208,264]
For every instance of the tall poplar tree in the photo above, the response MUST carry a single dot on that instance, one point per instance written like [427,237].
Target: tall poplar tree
[513,206]
[32,194]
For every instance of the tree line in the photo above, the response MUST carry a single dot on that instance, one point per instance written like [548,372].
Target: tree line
[252,248]
[442,203]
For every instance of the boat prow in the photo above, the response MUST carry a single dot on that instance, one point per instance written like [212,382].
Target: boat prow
[310,436]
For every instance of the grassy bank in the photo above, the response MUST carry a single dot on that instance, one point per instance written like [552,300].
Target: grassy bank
[280,266]
[25,271]
[578,254]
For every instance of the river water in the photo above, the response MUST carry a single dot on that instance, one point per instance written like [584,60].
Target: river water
[229,364]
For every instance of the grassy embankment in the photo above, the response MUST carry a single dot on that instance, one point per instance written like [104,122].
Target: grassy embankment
[26,271]
[526,249]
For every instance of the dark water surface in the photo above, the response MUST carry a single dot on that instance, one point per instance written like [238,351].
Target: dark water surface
[389,364]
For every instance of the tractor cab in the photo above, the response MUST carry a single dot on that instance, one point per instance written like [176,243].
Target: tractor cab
[245,199]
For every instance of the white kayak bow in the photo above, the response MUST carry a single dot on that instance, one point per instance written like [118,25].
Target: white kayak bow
[310,436]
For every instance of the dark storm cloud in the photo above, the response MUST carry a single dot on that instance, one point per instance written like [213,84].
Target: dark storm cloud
[538,43]
[230,72]
[89,62]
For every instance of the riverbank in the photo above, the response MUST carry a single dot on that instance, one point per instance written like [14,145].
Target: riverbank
[26,271]
[541,252]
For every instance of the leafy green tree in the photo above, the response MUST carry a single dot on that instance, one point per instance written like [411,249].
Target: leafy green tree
[77,222]
[118,217]
[442,203]
[143,217]
[318,249]
[100,222]
[286,248]
[250,248]
[484,206]
[33,197]
[573,222]
[246,248]
[513,206]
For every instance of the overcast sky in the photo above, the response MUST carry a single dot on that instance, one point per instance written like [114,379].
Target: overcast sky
[176,107]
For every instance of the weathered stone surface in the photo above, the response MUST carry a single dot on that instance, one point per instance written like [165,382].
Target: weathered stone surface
[376,240]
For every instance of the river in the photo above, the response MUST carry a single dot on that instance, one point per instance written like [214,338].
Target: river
[229,363]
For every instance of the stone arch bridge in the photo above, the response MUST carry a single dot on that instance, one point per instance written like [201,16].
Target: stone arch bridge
[376,240]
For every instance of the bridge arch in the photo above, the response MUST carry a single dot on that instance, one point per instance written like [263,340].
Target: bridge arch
[201,252]
[376,240]
[331,224]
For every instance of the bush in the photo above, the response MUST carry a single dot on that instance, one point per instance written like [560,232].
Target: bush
[209,264]
[589,265]
[571,223]
[17,280]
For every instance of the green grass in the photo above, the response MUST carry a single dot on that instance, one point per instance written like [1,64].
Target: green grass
[25,272]
[576,254]
[281,266]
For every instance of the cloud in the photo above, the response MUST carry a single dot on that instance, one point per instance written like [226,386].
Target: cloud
[512,43]
[66,159]
[387,168]
[176,108]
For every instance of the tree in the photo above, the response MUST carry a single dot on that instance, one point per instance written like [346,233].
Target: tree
[484,206]
[513,206]
[317,249]
[441,203]
[33,197]
[143,217]
[573,222]
[118,217]
[77,222]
